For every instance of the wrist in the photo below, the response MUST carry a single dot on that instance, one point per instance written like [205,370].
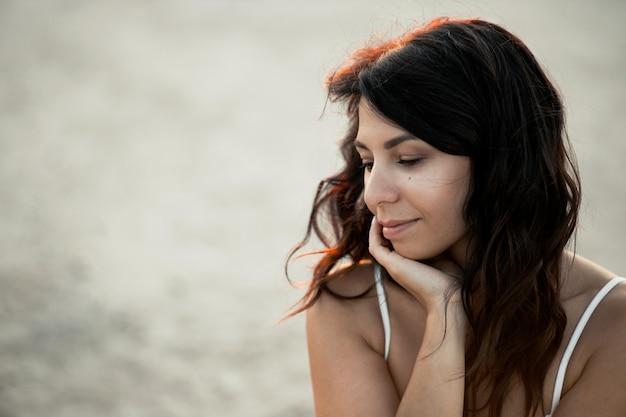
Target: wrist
[446,318]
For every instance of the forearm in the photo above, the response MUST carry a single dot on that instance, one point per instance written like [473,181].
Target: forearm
[437,385]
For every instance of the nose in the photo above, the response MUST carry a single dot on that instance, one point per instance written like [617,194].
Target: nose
[379,188]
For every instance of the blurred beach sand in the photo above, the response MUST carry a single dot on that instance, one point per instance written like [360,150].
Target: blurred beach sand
[157,162]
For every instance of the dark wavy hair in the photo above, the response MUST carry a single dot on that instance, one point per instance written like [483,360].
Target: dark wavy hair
[471,88]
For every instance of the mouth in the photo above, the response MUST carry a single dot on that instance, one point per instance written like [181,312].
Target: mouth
[393,229]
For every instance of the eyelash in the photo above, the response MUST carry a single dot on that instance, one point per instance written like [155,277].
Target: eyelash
[410,162]
[367,166]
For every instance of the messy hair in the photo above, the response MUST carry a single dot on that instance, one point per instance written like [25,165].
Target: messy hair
[471,88]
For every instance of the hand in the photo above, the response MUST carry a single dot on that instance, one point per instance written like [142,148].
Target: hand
[434,284]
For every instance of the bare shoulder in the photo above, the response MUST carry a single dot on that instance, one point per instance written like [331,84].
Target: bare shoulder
[607,325]
[582,279]
[353,281]
[349,307]
[596,377]
[584,282]
[346,342]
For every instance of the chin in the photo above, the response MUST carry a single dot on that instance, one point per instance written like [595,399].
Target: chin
[411,252]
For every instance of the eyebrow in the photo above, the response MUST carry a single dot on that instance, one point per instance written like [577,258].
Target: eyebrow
[391,143]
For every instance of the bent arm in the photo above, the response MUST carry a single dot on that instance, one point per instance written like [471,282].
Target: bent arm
[350,378]
[437,384]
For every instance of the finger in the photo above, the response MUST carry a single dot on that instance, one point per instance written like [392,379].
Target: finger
[376,245]
[380,249]
[425,282]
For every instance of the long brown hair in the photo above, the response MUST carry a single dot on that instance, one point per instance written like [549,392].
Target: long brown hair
[469,87]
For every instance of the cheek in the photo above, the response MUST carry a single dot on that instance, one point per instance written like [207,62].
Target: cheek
[457,209]
[447,203]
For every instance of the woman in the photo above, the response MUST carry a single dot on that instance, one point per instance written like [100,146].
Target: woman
[446,288]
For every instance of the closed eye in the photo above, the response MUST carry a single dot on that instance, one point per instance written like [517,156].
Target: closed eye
[410,162]
[367,166]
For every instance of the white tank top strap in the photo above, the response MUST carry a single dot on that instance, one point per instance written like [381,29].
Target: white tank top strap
[580,326]
[384,308]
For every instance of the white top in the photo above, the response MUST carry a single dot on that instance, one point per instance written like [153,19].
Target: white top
[567,354]
[580,326]
[384,309]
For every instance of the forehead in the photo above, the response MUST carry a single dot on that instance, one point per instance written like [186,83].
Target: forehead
[374,126]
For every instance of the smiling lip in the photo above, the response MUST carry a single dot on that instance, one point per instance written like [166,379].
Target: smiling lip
[392,229]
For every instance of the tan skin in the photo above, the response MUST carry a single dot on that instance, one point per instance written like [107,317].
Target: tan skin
[424,373]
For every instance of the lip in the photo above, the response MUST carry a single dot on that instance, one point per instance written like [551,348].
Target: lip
[393,228]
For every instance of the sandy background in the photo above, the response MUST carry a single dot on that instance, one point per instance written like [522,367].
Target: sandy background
[157,161]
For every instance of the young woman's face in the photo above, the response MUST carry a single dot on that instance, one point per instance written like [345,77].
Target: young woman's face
[415,191]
